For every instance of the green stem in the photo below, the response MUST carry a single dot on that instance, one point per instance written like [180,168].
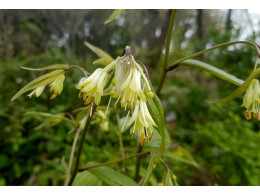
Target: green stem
[112,162]
[138,163]
[165,165]
[71,157]
[173,65]
[256,63]
[80,68]
[81,146]
[167,49]
[121,144]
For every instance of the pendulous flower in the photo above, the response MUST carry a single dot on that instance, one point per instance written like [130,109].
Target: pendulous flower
[143,122]
[130,82]
[92,88]
[57,86]
[251,100]
[55,83]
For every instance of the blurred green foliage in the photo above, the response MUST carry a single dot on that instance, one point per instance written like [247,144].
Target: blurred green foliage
[206,144]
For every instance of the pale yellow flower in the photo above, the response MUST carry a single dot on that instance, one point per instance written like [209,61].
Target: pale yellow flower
[93,86]
[251,100]
[57,86]
[37,92]
[131,89]
[131,83]
[143,122]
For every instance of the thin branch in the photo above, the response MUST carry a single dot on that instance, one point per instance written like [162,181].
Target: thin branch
[70,116]
[172,66]
[112,162]
[138,162]
[167,49]
[79,67]
[71,157]
[165,165]
[122,152]
[145,69]
[81,146]
[256,63]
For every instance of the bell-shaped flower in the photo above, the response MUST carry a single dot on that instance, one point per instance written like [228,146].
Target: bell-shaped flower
[55,83]
[57,86]
[251,100]
[91,88]
[130,84]
[143,122]
[132,90]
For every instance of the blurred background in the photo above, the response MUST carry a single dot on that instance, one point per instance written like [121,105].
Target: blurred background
[208,144]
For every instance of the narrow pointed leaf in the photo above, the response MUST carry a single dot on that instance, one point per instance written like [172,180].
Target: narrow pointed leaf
[40,81]
[86,179]
[48,115]
[101,61]
[112,177]
[181,155]
[152,163]
[213,70]
[114,15]
[105,57]
[50,67]
[239,91]
[155,108]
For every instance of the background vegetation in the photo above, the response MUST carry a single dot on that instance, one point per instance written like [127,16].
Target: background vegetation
[207,144]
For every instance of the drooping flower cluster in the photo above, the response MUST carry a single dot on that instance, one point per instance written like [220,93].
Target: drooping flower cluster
[251,100]
[124,80]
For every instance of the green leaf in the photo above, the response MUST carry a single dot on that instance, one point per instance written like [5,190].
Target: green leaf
[101,61]
[112,177]
[114,15]
[181,155]
[54,66]
[240,90]
[152,163]
[54,116]
[152,180]
[156,110]
[213,70]
[86,178]
[40,81]
[105,58]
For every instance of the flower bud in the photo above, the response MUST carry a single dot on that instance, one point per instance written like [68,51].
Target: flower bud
[112,92]
[113,82]
[149,94]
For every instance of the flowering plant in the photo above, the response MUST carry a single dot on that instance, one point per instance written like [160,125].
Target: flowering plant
[125,80]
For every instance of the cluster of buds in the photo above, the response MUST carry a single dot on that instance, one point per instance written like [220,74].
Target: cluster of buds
[123,79]
[251,100]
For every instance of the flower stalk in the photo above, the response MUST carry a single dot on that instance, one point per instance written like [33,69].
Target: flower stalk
[72,156]
[82,140]
[167,50]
